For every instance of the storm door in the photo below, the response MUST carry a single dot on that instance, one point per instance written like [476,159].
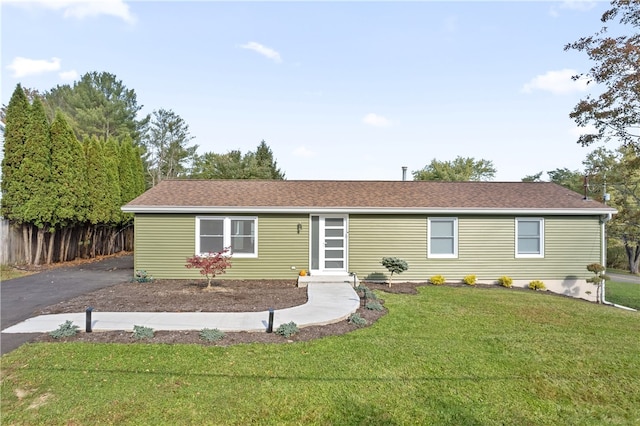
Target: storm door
[329,244]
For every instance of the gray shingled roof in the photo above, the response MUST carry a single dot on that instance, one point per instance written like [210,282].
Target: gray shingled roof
[354,196]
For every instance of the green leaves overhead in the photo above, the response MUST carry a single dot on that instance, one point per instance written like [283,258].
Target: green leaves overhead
[615,112]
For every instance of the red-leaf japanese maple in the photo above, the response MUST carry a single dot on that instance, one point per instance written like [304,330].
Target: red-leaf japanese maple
[211,264]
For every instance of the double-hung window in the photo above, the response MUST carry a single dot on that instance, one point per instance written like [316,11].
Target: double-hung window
[214,233]
[529,237]
[443,237]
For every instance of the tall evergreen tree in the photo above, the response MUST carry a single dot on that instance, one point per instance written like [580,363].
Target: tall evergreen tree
[111,156]
[15,134]
[265,160]
[35,172]
[69,180]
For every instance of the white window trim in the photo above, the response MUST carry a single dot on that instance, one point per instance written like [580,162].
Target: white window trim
[530,255]
[454,255]
[226,239]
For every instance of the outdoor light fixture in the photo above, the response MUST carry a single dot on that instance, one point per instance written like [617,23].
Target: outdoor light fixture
[299,227]
[270,325]
[88,322]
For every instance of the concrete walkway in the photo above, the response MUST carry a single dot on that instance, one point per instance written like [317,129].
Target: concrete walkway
[327,303]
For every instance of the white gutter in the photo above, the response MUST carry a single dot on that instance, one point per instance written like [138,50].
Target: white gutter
[603,257]
[364,210]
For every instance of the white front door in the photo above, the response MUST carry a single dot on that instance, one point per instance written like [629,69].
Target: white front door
[329,244]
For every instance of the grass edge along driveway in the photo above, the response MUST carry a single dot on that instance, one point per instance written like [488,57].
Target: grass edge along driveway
[445,356]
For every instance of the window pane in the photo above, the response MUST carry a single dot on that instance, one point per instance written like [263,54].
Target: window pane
[334,221]
[333,254]
[334,243]
[242,227]
[211,227]
[315,242]
[334,264]
[528,228]
[211,244]
[242,244]
[333,232]
[242,236]
[529,245]
[442,228]
[442,246]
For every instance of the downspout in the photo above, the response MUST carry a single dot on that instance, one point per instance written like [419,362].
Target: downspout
[603,257]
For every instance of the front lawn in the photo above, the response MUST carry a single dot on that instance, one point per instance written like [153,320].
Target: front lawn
[459,356]
[625,294]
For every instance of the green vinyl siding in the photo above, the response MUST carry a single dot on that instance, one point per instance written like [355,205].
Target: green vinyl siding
[163,242]
[486,247]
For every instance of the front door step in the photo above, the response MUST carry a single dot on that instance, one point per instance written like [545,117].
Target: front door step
[346,278]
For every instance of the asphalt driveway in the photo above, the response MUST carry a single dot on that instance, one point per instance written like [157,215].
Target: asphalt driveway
[21,298]
[624,278]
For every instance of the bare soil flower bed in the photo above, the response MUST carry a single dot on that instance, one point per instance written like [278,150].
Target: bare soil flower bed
[191,296]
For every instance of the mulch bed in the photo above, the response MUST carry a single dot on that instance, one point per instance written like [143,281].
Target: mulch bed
[192,296]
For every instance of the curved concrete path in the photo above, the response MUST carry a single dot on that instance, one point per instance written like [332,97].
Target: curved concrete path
[327,303]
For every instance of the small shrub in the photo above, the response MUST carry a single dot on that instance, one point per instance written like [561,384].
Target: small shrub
[505,281]
[356,319]
[67,329]
[142,332]
[288,329]
[141,276]
[211,334]
[470,280]
[374,306]
[437,280]
[365,292]
[537,285]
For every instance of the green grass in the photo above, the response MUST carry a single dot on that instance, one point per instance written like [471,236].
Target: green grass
[459,356]
[625,294]
[8,272]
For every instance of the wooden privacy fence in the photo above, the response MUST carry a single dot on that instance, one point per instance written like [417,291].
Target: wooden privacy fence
[11,244]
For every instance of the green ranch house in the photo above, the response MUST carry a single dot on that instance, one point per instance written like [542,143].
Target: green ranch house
[525,230]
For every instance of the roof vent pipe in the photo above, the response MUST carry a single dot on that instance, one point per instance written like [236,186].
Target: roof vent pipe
[404,173]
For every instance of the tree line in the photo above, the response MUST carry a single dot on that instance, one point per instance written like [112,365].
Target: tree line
[76,153]
[65,195]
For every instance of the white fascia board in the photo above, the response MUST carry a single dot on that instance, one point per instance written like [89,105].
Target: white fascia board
[346,210]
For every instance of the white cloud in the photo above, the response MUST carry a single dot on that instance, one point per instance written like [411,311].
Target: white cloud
[556,82]
[80,9]
[303,152]
[376,120]
[576,5]
[70,75]
[263,50]
[22,67]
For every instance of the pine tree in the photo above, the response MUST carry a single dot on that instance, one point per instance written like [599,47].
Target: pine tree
[264,157]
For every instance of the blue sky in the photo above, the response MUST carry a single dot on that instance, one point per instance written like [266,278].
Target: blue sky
[338,90]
